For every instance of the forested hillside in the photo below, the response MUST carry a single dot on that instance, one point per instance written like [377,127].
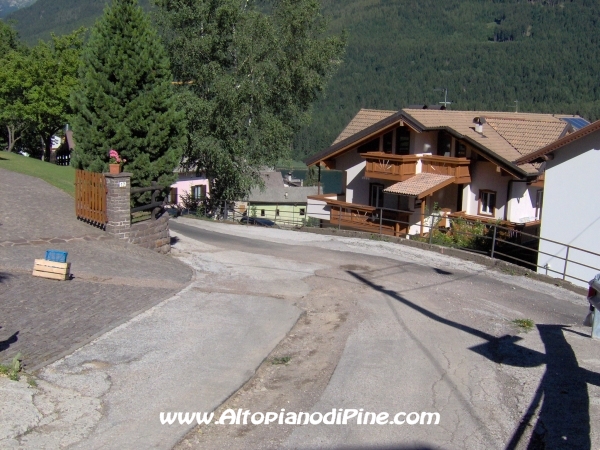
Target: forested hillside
[58,16]
[8,6]
[487,53]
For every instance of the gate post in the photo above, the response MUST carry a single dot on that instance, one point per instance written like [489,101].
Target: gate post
[118,212]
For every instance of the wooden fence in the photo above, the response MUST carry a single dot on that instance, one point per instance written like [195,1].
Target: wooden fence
[90,197]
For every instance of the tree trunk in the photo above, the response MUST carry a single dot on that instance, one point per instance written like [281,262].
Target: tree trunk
[11,128]
[47,140]
[11,137]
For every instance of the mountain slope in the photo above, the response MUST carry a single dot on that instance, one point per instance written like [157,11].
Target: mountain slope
[487,53]
[8,6]
[57,16]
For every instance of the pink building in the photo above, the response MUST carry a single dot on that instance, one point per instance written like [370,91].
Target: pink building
[188,183]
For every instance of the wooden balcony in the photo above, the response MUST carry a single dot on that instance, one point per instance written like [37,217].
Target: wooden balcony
[445,165]
[386,166]
[368,218]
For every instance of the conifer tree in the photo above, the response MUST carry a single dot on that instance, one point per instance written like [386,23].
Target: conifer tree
[126,101]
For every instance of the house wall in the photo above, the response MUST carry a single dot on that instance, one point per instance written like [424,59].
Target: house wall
[357,188]
[521,205]
[318,209]
[288,214]
[484,176]
[445,198]
[423,142]
[185,185]
[570,213]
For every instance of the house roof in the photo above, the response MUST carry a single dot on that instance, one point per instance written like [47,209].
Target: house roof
[363,119]
[526,136]
[420,185]
[561,142]
[275,192]
[506,137]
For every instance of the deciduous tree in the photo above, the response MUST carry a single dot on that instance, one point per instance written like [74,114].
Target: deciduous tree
[248,80]
[36,84]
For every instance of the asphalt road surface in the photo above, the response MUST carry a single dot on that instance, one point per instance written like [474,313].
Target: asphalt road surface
[391,329]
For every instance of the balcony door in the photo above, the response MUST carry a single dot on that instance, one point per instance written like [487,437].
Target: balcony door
[444,147]
[376,195]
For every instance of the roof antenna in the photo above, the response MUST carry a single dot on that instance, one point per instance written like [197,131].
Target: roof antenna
[445,102]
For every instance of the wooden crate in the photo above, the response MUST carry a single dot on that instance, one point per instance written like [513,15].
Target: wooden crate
[52,270]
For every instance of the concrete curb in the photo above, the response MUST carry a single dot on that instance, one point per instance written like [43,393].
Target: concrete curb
[484,260]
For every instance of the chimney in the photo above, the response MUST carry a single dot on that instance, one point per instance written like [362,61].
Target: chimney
[479,121]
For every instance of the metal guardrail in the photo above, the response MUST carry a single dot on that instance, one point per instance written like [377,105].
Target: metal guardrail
[498,241]
[226,211]
[495,240]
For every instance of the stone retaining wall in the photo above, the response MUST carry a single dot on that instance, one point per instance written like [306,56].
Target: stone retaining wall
[152,234]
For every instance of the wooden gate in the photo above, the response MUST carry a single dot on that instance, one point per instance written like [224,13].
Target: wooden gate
[90,197]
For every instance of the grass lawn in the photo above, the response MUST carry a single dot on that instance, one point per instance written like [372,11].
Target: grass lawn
[63,177]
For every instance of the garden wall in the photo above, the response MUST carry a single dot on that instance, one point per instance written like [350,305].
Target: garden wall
[152,234]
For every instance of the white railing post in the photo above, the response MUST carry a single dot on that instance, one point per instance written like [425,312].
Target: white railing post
[566,262]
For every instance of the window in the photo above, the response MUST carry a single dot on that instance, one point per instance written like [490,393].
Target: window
[371,146]
[402,141]
[461,150]
[376,195]
[199,192]
[262,213]
[388,140]
[444,144]
[302,211]
[487,203]
[172,200]
[539,203]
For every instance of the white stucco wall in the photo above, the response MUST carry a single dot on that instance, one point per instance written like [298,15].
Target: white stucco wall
[357,188]
[521,205]
[485,177]
[423,142]
[318,209]
[571,211]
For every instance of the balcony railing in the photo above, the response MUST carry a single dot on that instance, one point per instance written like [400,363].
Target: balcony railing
[402,167]
[368,218]
[386,166]
[445,165]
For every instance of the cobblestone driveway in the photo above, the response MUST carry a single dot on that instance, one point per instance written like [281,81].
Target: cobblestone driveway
[113,281]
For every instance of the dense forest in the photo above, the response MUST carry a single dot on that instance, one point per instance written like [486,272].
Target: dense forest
[9,6]
[487,53]
[44,17]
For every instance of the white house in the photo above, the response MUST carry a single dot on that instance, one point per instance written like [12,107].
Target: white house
[571,210]
[398,165]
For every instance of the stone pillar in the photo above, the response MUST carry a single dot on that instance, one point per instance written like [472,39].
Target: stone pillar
[118,208]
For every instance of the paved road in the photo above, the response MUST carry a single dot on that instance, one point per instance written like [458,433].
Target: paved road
[402,330]
[373,326]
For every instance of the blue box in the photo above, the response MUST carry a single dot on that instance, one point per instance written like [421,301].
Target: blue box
[56,256]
